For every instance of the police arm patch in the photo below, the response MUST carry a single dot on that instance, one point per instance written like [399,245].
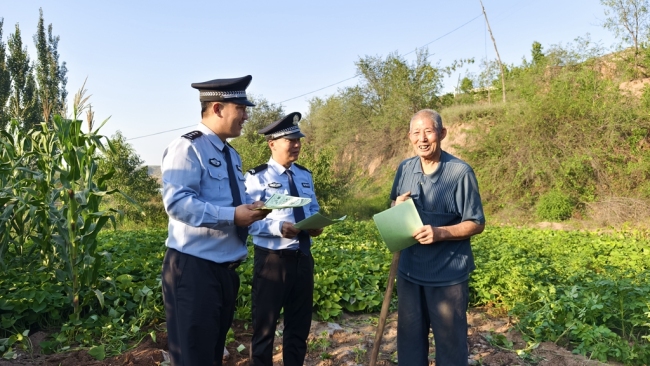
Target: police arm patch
[193,135]
[258,169]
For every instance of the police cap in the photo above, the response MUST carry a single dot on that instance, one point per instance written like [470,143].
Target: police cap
[286,127]
[225,90]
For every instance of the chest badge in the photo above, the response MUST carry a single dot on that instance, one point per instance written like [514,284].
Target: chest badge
[214,162]
[274,185]
[306,185]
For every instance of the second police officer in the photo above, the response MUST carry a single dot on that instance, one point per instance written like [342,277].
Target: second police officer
[283,274]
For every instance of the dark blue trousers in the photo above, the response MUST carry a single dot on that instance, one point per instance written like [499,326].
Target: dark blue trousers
[199,298]
[281,280]
[441,309]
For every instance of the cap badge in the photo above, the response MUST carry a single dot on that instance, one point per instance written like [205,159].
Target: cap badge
[214,162]
[296,119]
[306,185]
[275,185]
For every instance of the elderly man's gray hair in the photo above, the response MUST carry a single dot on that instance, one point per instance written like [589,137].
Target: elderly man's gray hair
[429,114]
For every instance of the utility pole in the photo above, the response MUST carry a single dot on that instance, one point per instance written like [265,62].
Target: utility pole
[503,78]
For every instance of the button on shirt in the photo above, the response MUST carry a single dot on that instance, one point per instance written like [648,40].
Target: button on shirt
[198,199]
[261,186]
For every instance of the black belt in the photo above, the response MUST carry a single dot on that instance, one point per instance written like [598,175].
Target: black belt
[230,265]
[282,252]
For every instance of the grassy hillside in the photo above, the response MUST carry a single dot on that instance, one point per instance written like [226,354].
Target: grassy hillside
[570,143]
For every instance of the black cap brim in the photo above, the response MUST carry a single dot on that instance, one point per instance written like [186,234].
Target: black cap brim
[295,135]
[240,101]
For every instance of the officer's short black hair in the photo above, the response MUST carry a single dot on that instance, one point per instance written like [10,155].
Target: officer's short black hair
[204,107]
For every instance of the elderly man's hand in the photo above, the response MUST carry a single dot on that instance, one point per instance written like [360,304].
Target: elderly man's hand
[288,230]
[314,232]
[425,235]
[405,197]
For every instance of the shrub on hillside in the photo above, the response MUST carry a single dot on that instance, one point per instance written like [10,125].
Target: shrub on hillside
[554,206]
[567,127]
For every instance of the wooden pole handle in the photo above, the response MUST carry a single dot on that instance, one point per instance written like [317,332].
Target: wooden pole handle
[384,308]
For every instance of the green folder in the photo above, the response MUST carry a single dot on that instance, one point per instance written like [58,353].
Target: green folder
[397,225]
[316,221]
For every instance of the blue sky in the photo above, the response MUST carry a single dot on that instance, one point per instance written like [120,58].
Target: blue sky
[140,57]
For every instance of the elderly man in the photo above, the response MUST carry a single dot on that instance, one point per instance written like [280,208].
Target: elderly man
[432,283]
[209,214]
[284,268]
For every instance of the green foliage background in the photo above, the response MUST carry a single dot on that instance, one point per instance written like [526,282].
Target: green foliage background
[132,177]
[568,137]
[567,127]
[586,291]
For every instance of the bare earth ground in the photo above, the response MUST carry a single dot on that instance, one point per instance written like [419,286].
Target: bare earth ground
[347,342]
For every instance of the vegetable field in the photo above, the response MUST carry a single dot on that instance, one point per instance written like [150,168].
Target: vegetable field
[586,291]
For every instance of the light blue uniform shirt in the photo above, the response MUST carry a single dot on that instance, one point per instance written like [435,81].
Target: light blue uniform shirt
[198,199]
[260,186]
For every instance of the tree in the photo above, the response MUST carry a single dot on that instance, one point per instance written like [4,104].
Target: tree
[537,53]
[5,81]
[360,128]
[251,146]
[260,116]
[629,21]
[390,91]
[132,179]
[392,82]
[466,85]
[51,76]
[24,104]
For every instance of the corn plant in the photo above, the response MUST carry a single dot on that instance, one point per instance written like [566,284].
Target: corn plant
[51,195]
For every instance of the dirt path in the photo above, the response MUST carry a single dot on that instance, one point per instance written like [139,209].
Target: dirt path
[346,342]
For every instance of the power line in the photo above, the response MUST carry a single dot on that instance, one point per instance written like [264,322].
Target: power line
[350,78]
[160,133]
[325,87]
[446,34]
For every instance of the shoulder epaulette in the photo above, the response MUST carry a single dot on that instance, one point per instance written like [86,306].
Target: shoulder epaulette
[258,169]
[302,167]
[192,135]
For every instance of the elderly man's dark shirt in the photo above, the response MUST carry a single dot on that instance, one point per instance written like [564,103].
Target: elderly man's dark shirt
[447,196]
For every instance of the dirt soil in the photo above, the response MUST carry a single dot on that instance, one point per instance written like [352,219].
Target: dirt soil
[345,342]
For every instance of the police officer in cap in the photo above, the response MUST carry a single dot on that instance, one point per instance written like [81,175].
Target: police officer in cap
[209,214]
[284,268]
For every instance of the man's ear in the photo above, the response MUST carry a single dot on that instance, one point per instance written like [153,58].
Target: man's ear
[217,108]
[443,134]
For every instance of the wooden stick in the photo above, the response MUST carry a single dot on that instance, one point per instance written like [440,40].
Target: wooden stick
[384,308]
